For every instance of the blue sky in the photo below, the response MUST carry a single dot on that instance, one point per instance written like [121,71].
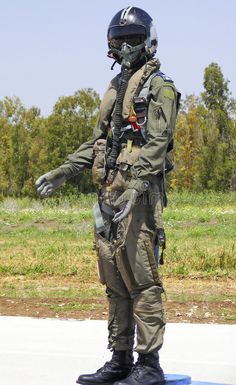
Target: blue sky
[51,48]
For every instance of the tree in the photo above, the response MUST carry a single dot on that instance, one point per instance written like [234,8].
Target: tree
[31,145]
[188,144]
[59,135]
[219,134]
[73,119]
[216,94]
[205,137]
[15,145]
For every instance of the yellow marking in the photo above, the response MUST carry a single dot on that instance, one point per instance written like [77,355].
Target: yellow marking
[129,145]
[169,93]
[132,111]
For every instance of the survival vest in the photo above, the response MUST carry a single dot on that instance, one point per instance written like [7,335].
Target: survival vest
[137,121]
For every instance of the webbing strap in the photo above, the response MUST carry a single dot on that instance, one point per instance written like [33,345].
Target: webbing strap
[145,89]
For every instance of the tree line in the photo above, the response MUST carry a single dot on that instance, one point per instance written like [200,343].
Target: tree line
[204,150]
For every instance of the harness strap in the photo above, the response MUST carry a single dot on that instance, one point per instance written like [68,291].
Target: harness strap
[98,219]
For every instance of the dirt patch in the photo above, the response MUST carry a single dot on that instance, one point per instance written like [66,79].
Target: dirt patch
[176,311]
[187,300]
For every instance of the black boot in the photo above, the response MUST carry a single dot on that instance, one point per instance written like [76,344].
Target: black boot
[117,368]
[146,371]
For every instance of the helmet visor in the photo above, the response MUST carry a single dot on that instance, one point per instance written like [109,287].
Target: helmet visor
[126,30]
[130,40]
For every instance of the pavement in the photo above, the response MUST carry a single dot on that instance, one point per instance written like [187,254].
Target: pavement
[54,352]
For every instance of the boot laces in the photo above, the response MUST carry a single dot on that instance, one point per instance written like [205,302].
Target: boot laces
[138,367]
[107,365]
[141,360]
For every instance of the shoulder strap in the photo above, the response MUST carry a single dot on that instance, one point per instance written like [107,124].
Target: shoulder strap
[145,89]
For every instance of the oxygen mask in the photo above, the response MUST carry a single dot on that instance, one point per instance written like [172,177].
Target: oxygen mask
[128,50]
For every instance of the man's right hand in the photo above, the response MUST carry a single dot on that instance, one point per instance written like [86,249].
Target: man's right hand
[47,183]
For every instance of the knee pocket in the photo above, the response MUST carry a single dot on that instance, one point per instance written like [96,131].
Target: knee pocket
[148,304]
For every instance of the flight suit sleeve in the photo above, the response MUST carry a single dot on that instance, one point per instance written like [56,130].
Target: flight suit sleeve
[83,157]
[160,126]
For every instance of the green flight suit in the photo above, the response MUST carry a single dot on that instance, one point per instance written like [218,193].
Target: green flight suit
[127,263]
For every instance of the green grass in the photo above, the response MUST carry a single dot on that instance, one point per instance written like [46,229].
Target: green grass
[54,237]
[201,297]
[43,238]
[201,232]
[49,288]
[72,306]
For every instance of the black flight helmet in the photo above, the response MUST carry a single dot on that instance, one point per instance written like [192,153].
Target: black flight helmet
[131,37]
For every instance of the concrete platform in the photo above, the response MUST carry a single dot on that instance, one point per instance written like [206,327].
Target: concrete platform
[55,352]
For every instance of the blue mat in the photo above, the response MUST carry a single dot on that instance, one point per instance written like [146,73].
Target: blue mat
[206,383]
[182,379]
[177,379]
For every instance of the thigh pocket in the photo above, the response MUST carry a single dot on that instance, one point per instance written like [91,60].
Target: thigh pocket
[125,268]
[140,258]
[107,268]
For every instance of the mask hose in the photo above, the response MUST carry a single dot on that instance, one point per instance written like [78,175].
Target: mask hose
[118,119]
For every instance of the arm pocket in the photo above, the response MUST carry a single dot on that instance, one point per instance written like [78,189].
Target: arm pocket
[161,110]
[167,109]
[157,118]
